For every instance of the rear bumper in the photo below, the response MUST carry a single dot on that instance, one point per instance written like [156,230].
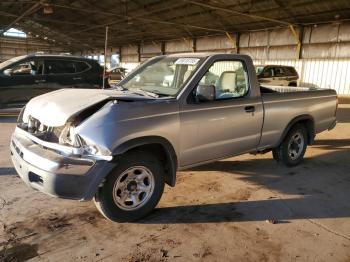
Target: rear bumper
[55,174]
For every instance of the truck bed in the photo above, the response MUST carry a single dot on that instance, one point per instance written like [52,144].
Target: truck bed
[282,104]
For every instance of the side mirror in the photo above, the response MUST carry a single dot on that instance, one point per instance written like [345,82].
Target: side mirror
[205,93]
[8,72]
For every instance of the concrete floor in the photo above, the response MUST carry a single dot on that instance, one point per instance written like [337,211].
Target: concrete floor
[217,212]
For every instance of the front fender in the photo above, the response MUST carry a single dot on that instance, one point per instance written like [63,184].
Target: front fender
[151,140]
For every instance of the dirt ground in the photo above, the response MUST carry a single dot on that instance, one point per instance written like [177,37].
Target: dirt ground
[216,212]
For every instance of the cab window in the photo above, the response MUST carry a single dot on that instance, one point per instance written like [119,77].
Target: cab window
[229,78]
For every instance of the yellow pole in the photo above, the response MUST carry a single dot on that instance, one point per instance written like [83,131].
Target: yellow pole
[296,36]
[232,40]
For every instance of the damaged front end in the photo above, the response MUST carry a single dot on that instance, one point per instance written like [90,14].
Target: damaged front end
[56,159]
[62,139]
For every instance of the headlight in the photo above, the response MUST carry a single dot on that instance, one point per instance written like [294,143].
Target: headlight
[20,116]
[68,136]
[90,149]
[83,147]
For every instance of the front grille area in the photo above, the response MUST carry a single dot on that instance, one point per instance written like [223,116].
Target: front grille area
[34,178]
[45,133]
[18,150]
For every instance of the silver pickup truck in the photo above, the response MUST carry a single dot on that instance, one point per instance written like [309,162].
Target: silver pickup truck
[120,146]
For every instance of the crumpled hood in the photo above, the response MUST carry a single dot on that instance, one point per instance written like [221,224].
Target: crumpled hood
[55,108]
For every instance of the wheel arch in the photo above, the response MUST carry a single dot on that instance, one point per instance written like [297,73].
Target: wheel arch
[157,145]
[307,121]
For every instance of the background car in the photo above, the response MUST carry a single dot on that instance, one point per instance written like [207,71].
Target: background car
[277,75]
[116,74]
[24,77]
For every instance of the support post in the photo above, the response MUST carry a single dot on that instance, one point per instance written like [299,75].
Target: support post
[120,55]
[238,35]
[139,53]
[105,58]
[162,48]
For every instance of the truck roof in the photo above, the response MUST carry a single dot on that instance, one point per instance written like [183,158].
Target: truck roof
[56,56]
[192,54]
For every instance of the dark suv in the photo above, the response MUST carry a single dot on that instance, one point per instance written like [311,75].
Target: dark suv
[24,77]
[277,75]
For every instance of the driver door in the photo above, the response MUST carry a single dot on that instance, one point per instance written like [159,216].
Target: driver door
[226,126]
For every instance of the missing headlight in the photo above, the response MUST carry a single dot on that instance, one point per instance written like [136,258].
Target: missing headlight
[68,136]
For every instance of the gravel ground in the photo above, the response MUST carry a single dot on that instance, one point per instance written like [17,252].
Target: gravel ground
[245,208]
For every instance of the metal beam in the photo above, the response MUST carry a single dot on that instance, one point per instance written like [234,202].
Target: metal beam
[237,12]
[145,8]
[143,19]
[29,11]
[286,9]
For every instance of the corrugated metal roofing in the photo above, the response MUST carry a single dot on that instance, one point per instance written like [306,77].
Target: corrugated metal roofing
[80,24]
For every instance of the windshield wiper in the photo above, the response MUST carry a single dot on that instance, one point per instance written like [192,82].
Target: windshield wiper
[143,92]
[119,87]
[140,91]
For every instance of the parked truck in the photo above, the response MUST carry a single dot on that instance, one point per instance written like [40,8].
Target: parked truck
[121,146]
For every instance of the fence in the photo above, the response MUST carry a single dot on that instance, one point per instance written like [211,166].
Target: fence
[322,73]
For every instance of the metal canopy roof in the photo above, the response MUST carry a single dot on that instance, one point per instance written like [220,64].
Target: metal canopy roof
[80,24]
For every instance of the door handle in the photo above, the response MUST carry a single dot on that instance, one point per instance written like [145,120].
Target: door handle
[249,109]
[40,81]
[77,78]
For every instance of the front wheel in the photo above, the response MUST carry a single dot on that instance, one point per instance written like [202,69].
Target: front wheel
[133,188]
[292,149]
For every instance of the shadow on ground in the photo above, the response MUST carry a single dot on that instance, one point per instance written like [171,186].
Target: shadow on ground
[7,171]
[318,188]
[343,115]
[8,119]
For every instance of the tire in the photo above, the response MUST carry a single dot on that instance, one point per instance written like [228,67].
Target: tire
[132,189]
[292,149]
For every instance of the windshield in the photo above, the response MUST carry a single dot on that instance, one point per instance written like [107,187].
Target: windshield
[11,61]
[164,76]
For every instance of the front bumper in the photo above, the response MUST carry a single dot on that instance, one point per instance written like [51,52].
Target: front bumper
[55,174]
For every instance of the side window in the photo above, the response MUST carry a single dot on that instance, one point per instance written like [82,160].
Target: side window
[59,67]
[31,67]
[278,72]
[229,78]
[268,72]
[290,71]
[81,66]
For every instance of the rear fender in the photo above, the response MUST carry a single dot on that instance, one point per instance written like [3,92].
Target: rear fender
[306,120]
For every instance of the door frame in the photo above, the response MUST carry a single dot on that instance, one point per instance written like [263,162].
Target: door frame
[192,82]
[253,96]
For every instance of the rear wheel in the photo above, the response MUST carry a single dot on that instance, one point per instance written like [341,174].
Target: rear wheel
[292,149]
[133,189]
